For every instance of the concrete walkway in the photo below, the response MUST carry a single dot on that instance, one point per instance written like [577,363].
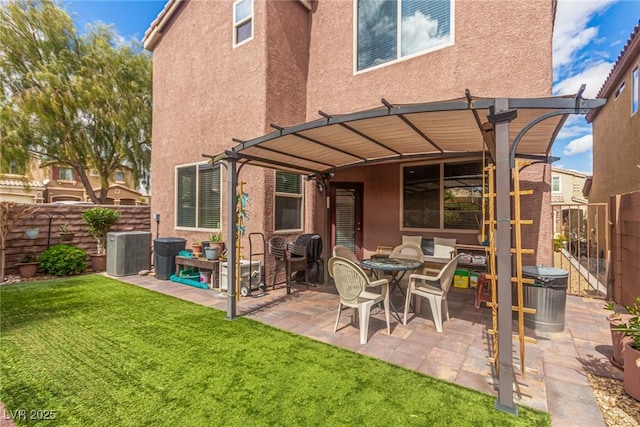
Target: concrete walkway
[555,380]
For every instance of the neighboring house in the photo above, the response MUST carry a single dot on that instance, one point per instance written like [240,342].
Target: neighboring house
[39,182]
[22,183]
[616,168]
[63,185]
[230,69]
[566,196]
[616,127]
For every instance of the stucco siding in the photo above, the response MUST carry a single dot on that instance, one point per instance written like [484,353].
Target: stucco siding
[616,148]
[500,49]
[206,92]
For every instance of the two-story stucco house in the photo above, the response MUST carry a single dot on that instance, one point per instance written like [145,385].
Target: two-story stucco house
[616,166]
[225,71]
[616,127]
[566,196]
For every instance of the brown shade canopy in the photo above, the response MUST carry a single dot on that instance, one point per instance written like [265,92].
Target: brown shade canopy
[403,132]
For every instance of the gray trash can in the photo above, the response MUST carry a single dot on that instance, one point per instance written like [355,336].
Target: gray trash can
[548,295]
[165,250]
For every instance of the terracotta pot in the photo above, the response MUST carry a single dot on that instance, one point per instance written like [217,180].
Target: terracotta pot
[98,262]
[197,250]
[28,269]
[219,245]
[632,371]
[618,340]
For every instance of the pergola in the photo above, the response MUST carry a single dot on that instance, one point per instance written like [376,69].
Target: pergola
[506,127]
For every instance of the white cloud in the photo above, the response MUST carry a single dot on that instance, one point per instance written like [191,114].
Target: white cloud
[572,31]
[420,32]
[579,145]
[593,76]
[574,126]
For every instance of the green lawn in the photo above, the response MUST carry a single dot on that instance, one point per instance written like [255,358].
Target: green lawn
[100,352]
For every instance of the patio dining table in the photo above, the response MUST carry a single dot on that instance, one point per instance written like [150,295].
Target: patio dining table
[394,266]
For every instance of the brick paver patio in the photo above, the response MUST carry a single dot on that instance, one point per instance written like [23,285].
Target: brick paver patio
[555,380]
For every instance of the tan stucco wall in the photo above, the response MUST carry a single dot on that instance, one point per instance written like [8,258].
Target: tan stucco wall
[206,92]
[616,144]
[502,49]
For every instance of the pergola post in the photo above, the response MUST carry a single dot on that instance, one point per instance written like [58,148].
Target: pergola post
[501,118]
[232,182]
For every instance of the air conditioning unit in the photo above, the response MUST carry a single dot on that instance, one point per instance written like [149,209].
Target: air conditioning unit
[128,252]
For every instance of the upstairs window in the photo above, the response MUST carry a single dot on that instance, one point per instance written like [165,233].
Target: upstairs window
[389,30]
[288,202]
[198,197]
[619,91]
[119,176]
[555,184]
[65,174]
[16,168]
[634,92]
[242,21]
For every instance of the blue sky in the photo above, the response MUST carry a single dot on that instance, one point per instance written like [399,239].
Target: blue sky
[588,37]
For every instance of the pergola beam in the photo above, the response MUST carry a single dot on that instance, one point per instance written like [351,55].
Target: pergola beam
[501,118]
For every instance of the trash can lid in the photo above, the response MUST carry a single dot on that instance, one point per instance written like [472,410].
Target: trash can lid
[542,271]
[169,240]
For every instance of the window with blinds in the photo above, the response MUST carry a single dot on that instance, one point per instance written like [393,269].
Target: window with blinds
[345,221]
[442,196]
[288,201]
[198,196]
[389,30]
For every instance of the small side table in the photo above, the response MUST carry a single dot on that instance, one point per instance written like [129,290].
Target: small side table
[200,264]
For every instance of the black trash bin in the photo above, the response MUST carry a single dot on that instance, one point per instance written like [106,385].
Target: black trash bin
[547,295]
[165,250]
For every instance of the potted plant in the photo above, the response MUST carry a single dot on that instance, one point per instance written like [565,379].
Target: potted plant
[618,338]
[196,247]
[215,246]
[28,265]
[632,351]
[66,234]
[215,239]
[100,221]
[32,232]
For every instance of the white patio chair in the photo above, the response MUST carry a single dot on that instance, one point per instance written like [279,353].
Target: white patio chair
[408,251]
[352,284]
[344,252]
[435,289]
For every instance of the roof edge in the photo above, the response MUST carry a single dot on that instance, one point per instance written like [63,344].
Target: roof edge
[630,49]
[154,33]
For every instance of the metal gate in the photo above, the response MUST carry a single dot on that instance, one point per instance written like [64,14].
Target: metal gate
[582,247]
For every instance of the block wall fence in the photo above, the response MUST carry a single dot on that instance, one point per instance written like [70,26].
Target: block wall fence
[132,218]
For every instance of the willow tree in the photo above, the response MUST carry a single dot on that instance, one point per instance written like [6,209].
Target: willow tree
[77,100]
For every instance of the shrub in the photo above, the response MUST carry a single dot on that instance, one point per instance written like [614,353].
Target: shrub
[558,242]
[63,260]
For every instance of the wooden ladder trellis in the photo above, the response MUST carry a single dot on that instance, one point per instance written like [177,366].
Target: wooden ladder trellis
[517,223]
